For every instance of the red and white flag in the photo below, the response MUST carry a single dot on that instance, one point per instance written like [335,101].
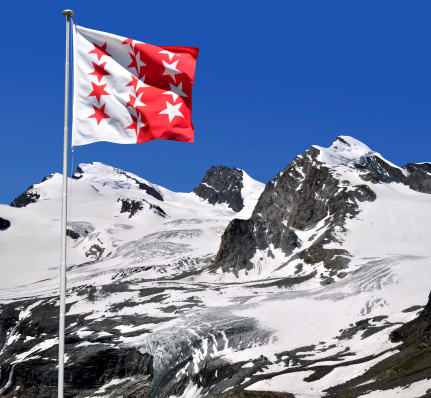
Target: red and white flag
[128,92]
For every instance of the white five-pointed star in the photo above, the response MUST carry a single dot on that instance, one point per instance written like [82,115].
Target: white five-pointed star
[138,101]
[172,111]
[141,83]
[170,55]
[176,91]
[170,69]
[139,123]
[139,62]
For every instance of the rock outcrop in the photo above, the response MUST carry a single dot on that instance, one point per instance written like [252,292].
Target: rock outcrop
[417,176]
[88,368]
[418,331]
[222,185]
[27,197]
[4,224]
[134,206]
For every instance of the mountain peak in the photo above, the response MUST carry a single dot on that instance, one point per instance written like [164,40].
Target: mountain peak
[222,184]
[345,143]
[345,150]
[230,186]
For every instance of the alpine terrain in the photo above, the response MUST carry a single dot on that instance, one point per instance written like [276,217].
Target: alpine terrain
[316,284]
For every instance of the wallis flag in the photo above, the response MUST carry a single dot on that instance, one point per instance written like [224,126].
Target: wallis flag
[128,92]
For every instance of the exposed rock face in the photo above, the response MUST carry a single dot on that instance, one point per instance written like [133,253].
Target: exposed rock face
[420,176]
[417,331]
[78,174]
[415,176]
[306,193]
[134,206]
[29,196]
[88,367]
[4,224]
[222,185]
[48,178]
[72,234]
[87,373]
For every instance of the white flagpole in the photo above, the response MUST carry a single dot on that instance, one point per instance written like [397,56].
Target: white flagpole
[68,14]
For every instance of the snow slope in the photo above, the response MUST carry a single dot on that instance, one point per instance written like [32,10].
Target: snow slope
[30,253]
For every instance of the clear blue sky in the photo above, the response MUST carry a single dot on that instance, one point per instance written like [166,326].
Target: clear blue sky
[272,79]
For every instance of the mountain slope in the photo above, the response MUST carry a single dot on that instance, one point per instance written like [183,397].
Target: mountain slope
[312,276]
[115,216]
[300,221]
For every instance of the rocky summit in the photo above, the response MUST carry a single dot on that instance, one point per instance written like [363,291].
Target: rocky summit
[222,185]
[313,285]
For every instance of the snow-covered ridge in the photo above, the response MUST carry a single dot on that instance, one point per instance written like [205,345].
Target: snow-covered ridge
[113,178]
[348,151]
[115,216]
[345,150]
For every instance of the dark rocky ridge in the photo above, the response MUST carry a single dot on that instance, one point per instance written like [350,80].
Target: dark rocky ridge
[301,196]
[222,185]
[48,178]
[78,174]
[27,197]
[418,175]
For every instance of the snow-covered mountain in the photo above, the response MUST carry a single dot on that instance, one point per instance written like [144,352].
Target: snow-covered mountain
[118,222]
[327,208]
[297,288]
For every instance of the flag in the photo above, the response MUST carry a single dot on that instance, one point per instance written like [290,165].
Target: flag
[128,92]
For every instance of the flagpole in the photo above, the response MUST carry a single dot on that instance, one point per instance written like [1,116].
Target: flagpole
[68,14]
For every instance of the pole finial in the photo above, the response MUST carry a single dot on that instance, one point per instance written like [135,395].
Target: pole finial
[68,13]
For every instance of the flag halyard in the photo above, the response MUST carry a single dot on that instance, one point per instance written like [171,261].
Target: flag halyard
[127,91]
